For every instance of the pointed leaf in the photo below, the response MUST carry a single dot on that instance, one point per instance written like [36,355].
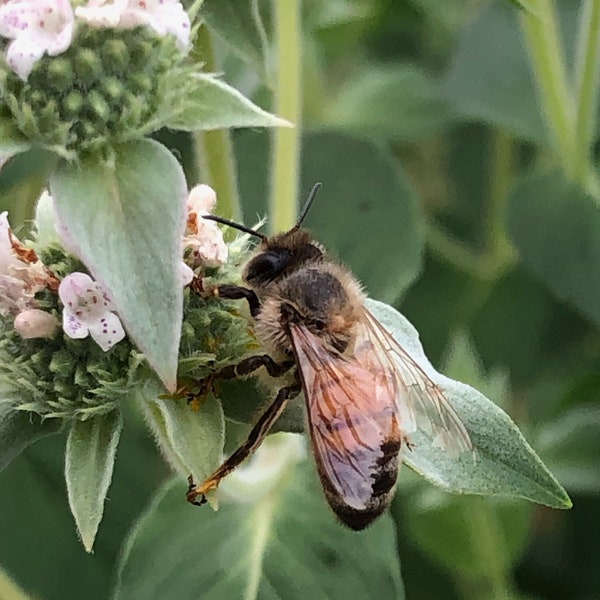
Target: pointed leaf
[89,461]
[126,221]
[213,104]
[556,228]
[20,429]
[285,545]
[192,441]
[504,463]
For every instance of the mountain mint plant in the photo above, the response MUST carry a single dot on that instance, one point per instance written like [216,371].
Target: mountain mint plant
[102,306]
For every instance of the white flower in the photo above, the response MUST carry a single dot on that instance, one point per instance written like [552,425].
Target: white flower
[35,323]
[88,310]
[164,16]
[37,27]
[203,238]
[22,275]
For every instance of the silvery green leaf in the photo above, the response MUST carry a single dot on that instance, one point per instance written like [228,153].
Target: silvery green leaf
[192,441]
[89,461]
[502,462]
[125,220]
[213,104]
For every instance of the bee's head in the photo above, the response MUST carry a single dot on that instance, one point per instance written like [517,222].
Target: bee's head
[281,255]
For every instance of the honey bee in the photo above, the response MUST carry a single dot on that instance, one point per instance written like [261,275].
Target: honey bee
[364,394]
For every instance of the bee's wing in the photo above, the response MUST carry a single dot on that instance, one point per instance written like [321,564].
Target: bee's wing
[422,404]
[353,420]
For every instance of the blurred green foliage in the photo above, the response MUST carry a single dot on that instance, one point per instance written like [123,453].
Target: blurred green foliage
[493,254]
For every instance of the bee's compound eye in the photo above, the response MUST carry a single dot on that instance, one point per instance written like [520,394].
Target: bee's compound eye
[268,265]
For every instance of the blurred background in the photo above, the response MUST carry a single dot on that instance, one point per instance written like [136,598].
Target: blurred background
[446,192]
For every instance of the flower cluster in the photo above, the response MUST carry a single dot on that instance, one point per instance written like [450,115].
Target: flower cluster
[81,79]
[39,27]
[87,308]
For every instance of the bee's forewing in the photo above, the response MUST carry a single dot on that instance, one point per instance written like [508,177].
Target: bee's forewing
[422,404]
[354,426]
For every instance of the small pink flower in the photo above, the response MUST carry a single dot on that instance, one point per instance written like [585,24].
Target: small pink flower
[37,27]
[164,16]
[22,275]
[89,311]
[203,238]
[35,323]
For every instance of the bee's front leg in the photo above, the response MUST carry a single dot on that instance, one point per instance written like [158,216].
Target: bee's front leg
[255,438]
[245,367]
[232,292]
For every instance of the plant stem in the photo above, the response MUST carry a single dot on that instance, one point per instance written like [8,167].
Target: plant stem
[587,65]
[486,536]
[216,159]
[547,58]
[285,159]
[501,168]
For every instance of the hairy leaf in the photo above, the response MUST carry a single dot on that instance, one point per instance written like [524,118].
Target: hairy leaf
[125,220]
[502,463]
[213,104]
[192,441]
[89,461]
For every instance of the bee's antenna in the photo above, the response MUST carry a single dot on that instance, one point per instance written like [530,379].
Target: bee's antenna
[243,228]
[308,204]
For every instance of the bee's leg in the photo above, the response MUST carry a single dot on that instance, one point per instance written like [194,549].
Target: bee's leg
[245,367]
[252,363]
[236,292]
[255,438]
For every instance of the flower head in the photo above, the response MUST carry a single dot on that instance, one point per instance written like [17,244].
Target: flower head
[163,16]
[37,27]
[204,238]
[22,275]
[88,311]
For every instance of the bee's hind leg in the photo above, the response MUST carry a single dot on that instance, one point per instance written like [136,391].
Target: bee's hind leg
[255,438]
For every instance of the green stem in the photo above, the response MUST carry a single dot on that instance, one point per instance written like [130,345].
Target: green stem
[285,159]
[501,169]
[216,159]
[587,65]
[488,540]
[547,57]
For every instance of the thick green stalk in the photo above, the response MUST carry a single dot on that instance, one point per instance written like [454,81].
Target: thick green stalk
[285,161]
[587,66]
[548,62]
[216,159]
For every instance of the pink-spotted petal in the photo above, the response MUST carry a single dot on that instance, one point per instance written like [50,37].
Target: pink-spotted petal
[73,287]
[22,54]
[107,331]
[74,327]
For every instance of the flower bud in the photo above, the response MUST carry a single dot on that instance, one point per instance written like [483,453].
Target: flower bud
[35,323]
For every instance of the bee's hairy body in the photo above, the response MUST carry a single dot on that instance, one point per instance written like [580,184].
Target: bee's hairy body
[292,283]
